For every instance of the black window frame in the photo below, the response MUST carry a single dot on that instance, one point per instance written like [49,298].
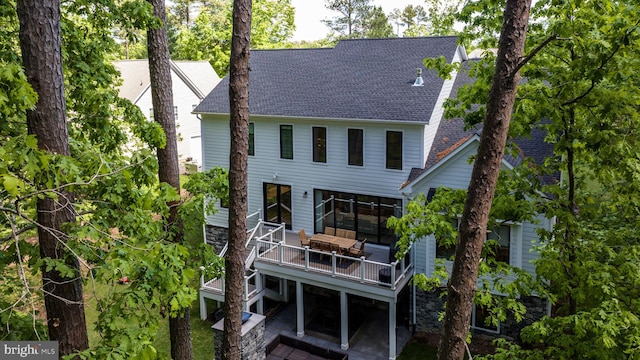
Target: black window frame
[355,147]
[394,150]
[252,144]
[286,152]
[319,144]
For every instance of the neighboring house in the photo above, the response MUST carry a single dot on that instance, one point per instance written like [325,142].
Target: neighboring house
[191,80]
[345,138]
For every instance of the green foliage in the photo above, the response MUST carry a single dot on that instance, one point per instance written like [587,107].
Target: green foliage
[352,21]
[441,65]
[436,18]
[118,201]
[212,184]
[512,203]
[208,37]
[582,88]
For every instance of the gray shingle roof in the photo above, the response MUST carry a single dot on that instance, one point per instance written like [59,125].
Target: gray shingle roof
[451,134]
[358,79]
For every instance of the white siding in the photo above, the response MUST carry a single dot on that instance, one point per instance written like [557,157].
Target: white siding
[187,124]
[301,173]
[456,173]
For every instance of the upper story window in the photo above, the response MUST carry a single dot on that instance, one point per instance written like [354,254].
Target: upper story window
[355,146]
[394,150]
[175,113]
[501,237]
[319,144]
[286,142]
[446,251]
[252,150]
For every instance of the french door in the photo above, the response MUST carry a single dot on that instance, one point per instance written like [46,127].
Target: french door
[277,203]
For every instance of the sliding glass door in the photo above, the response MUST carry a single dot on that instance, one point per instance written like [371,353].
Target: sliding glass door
[365,214]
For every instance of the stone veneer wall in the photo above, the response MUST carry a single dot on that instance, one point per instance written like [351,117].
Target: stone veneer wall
[216,236]
[536,309]
[253,342]
[429,305]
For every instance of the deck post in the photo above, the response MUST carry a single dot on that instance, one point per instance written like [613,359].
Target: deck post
[203,302]
[203,307]
[299,310]
[285,290]
[259,287]
[344,321]
[392,330]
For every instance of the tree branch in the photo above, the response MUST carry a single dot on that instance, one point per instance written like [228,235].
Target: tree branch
[532,54]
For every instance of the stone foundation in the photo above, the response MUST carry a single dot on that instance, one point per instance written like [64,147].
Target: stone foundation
[253,343]
[536,309]
[216,236]
[429,305]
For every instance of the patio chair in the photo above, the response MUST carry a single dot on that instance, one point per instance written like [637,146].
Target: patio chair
[304,240]
[350,234]
[329,230]
[335,247]
[358,249]
[341,233]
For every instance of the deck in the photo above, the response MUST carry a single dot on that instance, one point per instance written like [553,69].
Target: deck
[273,251]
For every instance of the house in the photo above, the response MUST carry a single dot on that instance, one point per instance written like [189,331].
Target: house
[191,81]
[344,138]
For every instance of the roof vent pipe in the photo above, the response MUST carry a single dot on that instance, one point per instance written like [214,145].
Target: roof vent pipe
[419,81]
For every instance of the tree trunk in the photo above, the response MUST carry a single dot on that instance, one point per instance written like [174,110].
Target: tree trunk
[462,285]
[239,127]
[40,43]
[168,171]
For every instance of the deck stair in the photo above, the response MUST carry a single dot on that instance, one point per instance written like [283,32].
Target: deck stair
[215,288]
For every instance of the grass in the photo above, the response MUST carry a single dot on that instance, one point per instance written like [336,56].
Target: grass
[201,333]
[418,351]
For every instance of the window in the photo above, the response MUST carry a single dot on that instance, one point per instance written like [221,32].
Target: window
[319,144]
[286,141]
[366,214]
[480,319]
[252,151]
[175,113]
[224,203]
[502,238]
[394,150]
[355,145]
[446,251]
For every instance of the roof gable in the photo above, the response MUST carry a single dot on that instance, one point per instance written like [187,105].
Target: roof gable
[199,76]
[357,79]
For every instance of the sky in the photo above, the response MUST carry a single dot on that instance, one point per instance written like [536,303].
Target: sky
[309,14]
